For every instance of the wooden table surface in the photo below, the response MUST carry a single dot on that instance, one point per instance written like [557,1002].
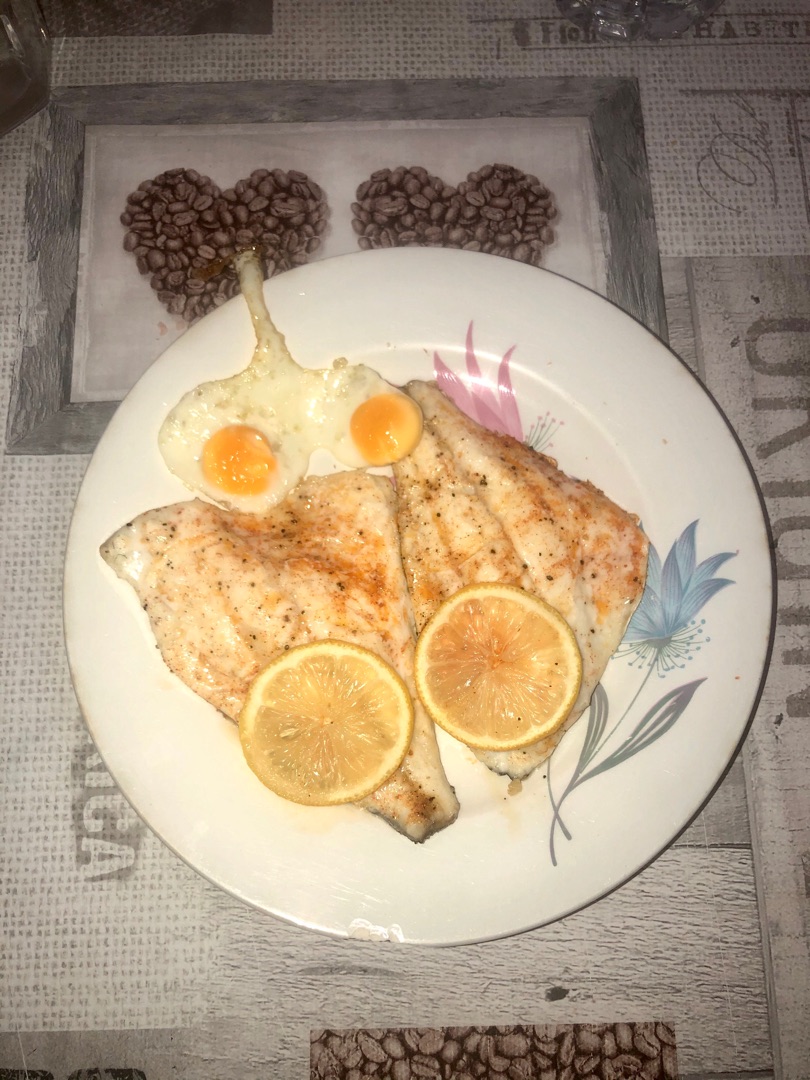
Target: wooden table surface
[145,965]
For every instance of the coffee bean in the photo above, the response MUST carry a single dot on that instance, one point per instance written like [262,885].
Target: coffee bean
[457,236]
[155,259]
[351,1055]
[585,1064]
[393,205]
[499,1064]
[370,1047]
[429,1070]
[645,1041]
[565,1050]
[175,279]
[492,213]
[665,1034]
[393,1046]
[431,1042]
[624,1036]
[545,1053]
[513,1045]
[287,206]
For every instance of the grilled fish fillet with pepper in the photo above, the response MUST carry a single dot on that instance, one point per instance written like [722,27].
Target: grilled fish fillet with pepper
[226,592]
[477,506]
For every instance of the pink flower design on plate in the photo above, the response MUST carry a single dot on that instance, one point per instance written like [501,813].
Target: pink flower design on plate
[492,407]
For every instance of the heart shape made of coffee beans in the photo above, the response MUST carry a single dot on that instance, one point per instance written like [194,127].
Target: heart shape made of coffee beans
[180,223]
[498,209]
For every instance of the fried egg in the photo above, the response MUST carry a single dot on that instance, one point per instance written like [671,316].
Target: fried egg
[245,441]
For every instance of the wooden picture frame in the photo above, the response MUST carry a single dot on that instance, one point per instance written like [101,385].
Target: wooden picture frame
[43,419]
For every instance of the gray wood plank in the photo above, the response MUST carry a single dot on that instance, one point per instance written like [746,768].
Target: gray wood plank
[723,822]
[285,101]
[678,298]
[620,162]
[53,206]
[753,319]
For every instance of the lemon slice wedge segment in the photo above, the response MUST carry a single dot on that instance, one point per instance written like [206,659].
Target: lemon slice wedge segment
[326,723]
[497,667]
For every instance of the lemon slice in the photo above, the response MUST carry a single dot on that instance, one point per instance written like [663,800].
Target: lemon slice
[326,723]
[497,668]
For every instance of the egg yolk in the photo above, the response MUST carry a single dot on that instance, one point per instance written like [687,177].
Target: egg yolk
[238,460]
[386,427]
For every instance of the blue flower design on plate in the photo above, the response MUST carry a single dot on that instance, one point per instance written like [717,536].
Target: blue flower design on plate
[662,636]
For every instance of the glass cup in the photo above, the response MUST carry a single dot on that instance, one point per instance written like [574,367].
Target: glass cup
[626,20]
[25,62]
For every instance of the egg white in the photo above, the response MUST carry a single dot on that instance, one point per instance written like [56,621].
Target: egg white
[298,410]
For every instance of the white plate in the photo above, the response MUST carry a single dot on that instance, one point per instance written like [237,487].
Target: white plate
[613,405]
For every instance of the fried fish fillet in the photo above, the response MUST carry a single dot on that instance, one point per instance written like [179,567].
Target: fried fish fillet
[477,506]
[225,593]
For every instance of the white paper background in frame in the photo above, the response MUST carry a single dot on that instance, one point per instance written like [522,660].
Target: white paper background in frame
[615,407]
[121,326]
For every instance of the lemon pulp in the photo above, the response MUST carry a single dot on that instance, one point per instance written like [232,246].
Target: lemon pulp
[497,667]
[326,723]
